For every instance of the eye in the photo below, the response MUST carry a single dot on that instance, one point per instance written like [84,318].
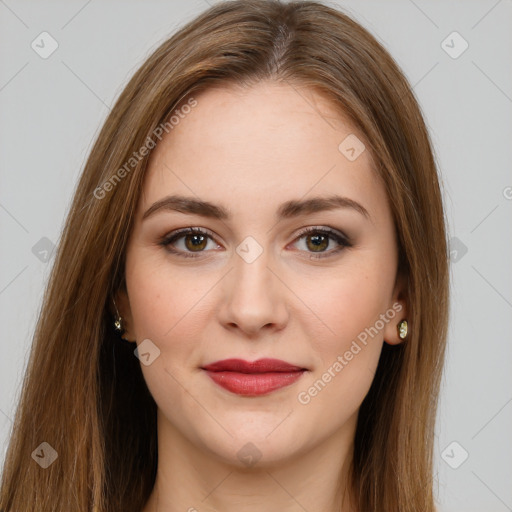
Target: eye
[195,240]
[318,240]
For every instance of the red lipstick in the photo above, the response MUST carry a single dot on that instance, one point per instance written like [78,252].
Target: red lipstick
[253,378]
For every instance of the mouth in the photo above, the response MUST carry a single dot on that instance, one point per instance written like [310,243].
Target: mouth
[253,378]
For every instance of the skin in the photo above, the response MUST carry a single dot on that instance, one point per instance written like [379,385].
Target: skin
[250,150]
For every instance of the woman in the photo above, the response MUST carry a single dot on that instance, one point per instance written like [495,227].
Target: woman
[200,348]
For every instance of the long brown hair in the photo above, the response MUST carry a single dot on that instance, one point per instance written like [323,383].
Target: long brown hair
[83,391]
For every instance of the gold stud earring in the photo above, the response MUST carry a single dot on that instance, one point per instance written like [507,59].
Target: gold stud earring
[402,329]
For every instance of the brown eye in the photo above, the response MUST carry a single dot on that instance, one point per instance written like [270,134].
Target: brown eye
[317,243]
[195,240]
[317,240]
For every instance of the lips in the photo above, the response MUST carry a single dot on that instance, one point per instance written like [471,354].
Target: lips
[253,378]
[259,366]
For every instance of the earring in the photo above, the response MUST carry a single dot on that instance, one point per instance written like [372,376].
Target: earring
[118,322]
[402,329]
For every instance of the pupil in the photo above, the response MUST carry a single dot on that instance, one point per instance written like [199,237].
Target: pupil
[318,240]
[197,240]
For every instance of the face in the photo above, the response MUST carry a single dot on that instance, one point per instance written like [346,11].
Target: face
[251,282]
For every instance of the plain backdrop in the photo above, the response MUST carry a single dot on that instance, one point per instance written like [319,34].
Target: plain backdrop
[52,108]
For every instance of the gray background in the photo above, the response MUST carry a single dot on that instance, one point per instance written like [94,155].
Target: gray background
[51,109]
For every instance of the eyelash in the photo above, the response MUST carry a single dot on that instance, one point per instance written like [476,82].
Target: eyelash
[342,240]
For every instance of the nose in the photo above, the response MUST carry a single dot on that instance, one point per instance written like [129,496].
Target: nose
[253,298]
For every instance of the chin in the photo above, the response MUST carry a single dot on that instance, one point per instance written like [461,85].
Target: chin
[255,446]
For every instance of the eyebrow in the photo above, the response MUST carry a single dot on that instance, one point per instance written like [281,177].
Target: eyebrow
[287,210]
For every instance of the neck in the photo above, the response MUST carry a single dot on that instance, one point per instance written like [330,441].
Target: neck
[194,480]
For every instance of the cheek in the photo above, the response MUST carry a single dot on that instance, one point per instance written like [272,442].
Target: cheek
[346,303]
[348,307]
[172,308]
[166,309]
[160,299]
[344,371]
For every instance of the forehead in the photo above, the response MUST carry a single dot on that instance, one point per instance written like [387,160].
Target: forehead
[238,146]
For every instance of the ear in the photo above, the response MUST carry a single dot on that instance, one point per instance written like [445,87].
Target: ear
[398,304]
[123,306]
